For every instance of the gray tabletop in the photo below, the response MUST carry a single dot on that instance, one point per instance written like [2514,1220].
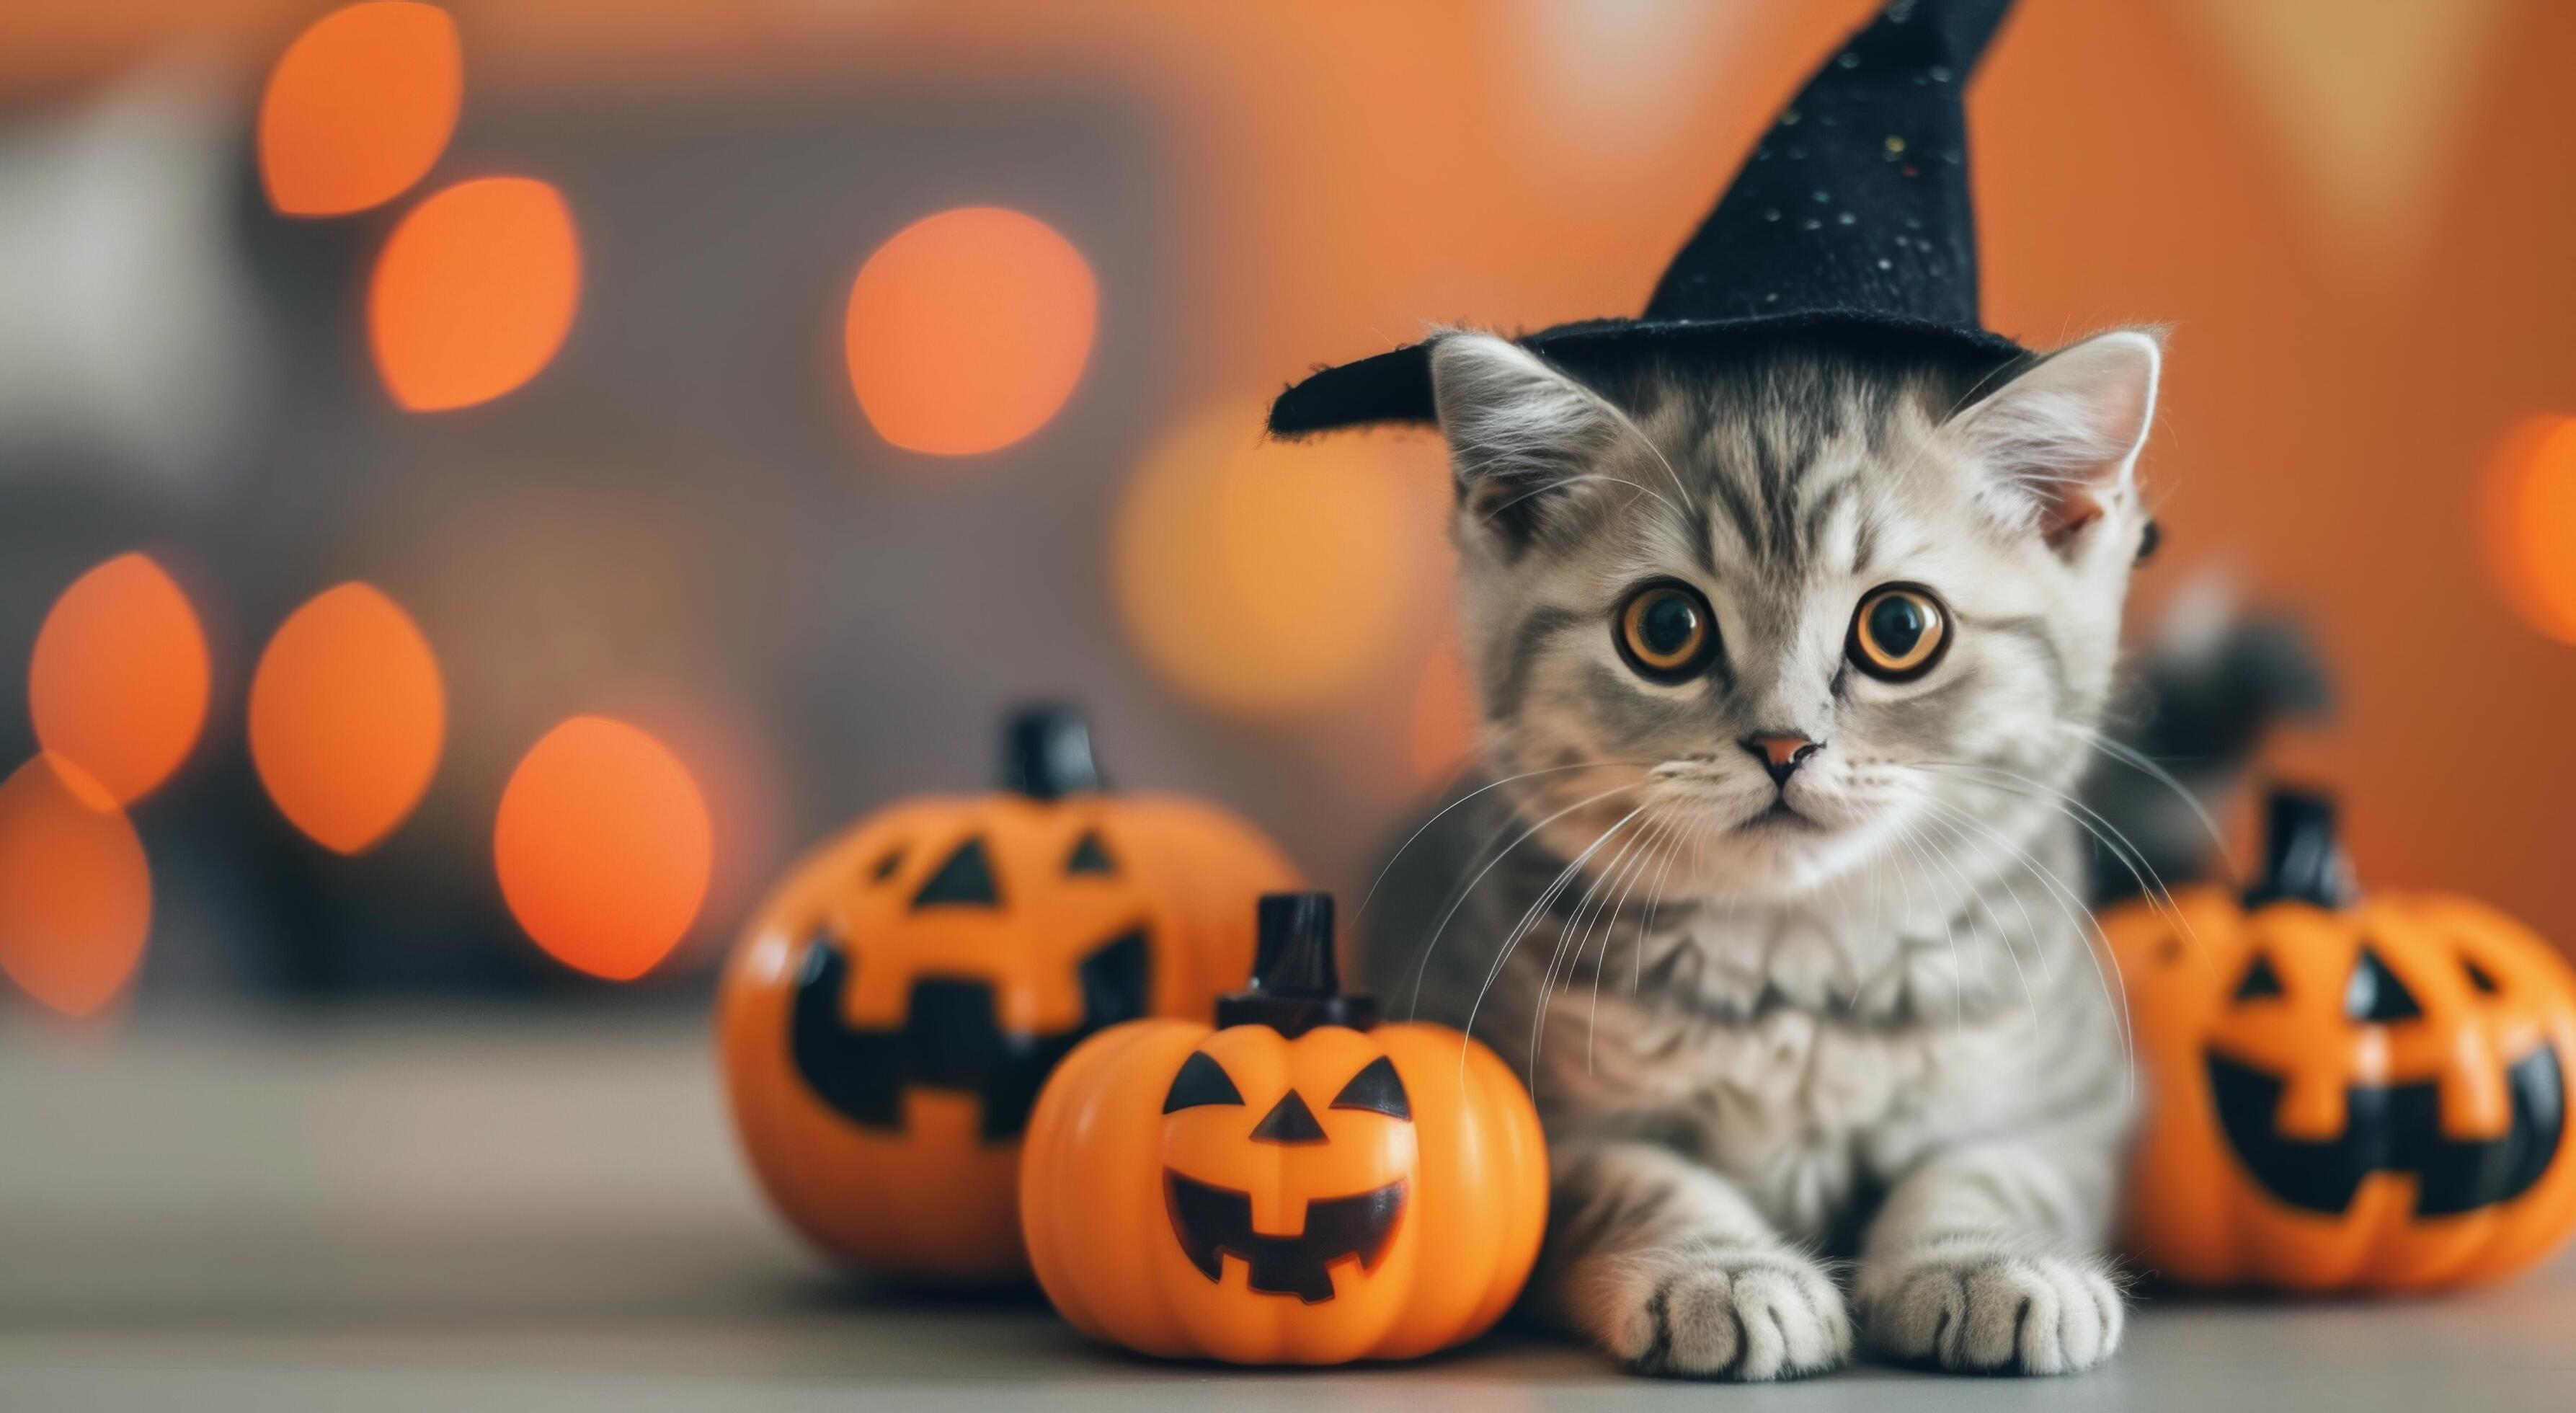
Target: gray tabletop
[546,1211]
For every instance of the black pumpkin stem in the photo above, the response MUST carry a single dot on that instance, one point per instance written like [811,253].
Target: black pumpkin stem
[2302,860]
[1046,752]
[1296,984]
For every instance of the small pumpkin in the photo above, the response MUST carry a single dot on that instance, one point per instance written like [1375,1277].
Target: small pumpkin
[893,1006]
[1296,1185]
[2344,1095]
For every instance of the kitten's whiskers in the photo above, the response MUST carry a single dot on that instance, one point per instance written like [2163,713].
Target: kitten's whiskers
[1413,1006]
[1411,839]
[1528,920]
[2135,759]
[2080,917]
[1595,884]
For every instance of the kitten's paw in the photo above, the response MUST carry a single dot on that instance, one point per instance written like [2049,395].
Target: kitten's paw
[1723,1313]
[1993,1310]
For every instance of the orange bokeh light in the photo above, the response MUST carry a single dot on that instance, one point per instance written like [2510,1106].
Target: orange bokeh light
[359,107]
[117,683]
[603,847]
[2528,516]
[968,329]
[1258,577]
[347,715]
[474,292]
[1442,731]
[75,890]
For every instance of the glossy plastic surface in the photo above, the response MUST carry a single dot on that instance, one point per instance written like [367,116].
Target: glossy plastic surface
[892,1007]
[2366,1098]
[1165,1219]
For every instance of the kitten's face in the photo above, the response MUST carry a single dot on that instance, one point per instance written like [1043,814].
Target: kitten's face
[1794,611]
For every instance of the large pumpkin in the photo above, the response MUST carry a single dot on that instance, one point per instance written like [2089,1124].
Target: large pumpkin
[1298,1186]
[2360,1095]
[894,1005]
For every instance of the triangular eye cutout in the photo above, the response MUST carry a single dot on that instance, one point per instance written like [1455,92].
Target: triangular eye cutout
[2260,981]
[2375,993]
[1201,1081]
[2479,977]
[1289,1122]
[1117,980]
[1378,1089]
[885,866]
[1089,856]
[965,880]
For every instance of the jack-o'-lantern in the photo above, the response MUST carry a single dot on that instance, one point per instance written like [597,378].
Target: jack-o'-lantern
[2363,1095]
[894,1005]
[1299,1185]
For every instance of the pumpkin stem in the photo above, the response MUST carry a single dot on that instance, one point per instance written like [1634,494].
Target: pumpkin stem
[1296,983]
[2302,862]
[1046,752]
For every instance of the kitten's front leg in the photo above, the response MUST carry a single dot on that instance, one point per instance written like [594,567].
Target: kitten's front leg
[1989,1261]
[1664,1265]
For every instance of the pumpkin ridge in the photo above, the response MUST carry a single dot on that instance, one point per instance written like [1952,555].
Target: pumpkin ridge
[979,965]
[2452,1163]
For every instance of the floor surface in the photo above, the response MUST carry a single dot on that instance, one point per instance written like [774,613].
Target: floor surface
[430,1212]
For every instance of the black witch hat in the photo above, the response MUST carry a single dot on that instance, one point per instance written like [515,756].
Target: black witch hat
[1851,215]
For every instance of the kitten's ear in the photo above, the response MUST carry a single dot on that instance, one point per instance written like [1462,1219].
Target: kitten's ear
[2062,440]
[1520,433]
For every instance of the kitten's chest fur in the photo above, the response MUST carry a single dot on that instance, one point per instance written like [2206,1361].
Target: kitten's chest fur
[1813,1052]
[1809,1098]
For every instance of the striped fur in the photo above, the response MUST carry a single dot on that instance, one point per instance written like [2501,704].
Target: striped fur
[1757,1048]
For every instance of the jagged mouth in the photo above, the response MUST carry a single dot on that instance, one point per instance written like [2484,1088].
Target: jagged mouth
[1216,1222]
[951,1038]
[2394,1129]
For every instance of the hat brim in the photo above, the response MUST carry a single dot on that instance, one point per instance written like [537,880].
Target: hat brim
[1395,386]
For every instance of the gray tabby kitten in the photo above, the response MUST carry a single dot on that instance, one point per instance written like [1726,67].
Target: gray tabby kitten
[1789,658]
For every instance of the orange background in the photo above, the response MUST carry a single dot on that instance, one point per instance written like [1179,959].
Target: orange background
[2356,217]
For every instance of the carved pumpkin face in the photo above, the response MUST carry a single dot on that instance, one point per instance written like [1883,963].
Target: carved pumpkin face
[1289,1188]
[896,1004]
[2370,1096]
[1302,1187]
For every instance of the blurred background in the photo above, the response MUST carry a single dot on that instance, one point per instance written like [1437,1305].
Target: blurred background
[482,485]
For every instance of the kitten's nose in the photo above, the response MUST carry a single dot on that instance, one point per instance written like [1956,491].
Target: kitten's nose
[1781,754]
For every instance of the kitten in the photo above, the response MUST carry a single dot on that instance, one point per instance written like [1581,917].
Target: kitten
[1789,653]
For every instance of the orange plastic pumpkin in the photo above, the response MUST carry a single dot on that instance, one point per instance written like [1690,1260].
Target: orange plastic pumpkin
[894,1005]
[1298,1186]
[2344,1096]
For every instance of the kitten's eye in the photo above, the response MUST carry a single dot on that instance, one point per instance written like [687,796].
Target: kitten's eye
[1666,631]
[1900,631]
